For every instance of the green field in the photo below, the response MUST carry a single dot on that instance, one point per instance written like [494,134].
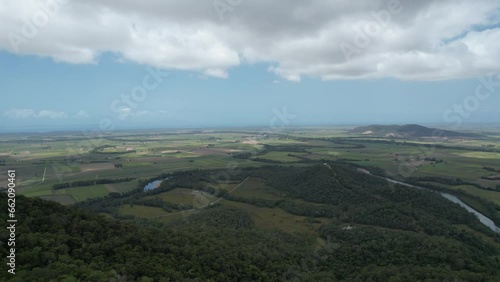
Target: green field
[491,195]
[277,219]
[43,161]
[185,196]
[280,156]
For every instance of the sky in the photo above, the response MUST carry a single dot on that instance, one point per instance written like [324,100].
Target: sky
[109,64]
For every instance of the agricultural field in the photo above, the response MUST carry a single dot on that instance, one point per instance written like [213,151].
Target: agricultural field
[310,184]
[44,161]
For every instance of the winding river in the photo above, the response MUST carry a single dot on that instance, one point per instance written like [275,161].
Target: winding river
[484,220]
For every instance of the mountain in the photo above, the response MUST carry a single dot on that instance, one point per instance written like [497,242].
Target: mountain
[408,131]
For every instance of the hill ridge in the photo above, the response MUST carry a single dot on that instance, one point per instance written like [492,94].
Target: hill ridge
[408,131]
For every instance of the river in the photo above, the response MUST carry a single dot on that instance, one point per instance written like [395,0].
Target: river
[484,220]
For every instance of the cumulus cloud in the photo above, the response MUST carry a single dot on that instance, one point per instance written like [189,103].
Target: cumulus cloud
[30,113]
[327,39]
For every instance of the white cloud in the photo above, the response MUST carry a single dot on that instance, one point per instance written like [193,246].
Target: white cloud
[140,113]
[30,113]
[81,114]
[19,113]
[420,40]
[51,114]
[126,112]
[220,73]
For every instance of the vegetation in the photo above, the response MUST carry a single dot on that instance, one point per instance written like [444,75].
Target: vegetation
[82,183]
[242,206]
[364,229]
[408,131]
[66,244]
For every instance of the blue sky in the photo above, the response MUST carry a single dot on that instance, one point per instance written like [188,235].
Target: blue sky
[189,99]
[423,67]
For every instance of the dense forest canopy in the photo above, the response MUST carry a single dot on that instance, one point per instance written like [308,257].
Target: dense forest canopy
[370,231]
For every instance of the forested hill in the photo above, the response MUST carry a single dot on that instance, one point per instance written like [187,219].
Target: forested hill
[408,131]
[57,243]
[352,196]
[369,231]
